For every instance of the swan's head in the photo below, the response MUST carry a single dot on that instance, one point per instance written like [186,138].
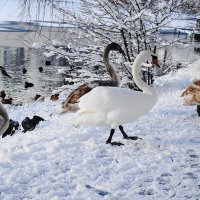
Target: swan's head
[3,71]
[144,56]
[116,47]
[150,56]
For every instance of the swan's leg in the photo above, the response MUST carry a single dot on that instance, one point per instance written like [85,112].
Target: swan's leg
[112,131]
[126,136]
[198,110]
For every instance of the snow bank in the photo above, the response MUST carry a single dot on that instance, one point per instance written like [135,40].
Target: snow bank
[58,160]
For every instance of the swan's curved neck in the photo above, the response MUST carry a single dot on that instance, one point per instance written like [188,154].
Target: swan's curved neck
[109,68]
[136,69]
[5,118]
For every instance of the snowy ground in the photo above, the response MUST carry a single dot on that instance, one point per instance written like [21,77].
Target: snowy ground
[60,161]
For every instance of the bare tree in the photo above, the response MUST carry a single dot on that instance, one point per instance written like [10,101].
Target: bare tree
[134,24]
[190,6]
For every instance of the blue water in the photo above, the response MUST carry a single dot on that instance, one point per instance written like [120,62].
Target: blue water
[14,60]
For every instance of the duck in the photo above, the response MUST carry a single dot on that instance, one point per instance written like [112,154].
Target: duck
[54,97]
[27,85]
[2,94]
[3,72]
[13,126]
[191,95]
[30,124]
[40,69]
[4,120]
[7,101]
[24,70]
[114,106]
[70,104]
[36,97]
[47,62]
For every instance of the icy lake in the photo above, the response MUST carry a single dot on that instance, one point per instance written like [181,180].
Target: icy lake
[16,54]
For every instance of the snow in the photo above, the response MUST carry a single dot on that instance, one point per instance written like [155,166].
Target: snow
[37,45]
[58,160]
[195,71]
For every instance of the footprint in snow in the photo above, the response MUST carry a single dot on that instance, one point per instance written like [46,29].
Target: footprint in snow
[100,192]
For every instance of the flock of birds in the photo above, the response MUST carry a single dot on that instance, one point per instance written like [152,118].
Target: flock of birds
[104,103]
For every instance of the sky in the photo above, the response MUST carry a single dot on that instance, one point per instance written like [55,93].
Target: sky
[9,10]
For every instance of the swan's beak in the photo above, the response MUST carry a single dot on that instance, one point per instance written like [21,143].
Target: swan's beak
[155,60]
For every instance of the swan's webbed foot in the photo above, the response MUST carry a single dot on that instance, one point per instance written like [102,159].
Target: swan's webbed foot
[115,143]
[126,136]
[132,138]
[112,131]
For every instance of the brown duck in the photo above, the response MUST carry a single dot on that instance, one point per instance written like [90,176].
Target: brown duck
[70,104]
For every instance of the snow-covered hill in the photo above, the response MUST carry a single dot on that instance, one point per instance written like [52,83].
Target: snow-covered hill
[59,161]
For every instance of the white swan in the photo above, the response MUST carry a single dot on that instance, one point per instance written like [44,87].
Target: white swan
[4,119]
[116,106]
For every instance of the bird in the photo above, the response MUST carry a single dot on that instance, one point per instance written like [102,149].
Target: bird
[4,120]
[70,104]
[27,85]
[30,124]
[40,69]
[24,70]
[13,126]
[191,95]
[36,97]
[7,101]
[3,72]
[114,106]
[54,97]
[47,62]
[2,94]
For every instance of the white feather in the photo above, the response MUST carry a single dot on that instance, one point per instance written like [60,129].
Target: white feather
[115,106]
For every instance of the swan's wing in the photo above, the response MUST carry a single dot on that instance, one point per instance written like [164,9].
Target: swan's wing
[112,106]
[105,99]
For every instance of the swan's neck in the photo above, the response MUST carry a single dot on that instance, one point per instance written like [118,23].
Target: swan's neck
[4,116]
[109,68]
[136,69]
